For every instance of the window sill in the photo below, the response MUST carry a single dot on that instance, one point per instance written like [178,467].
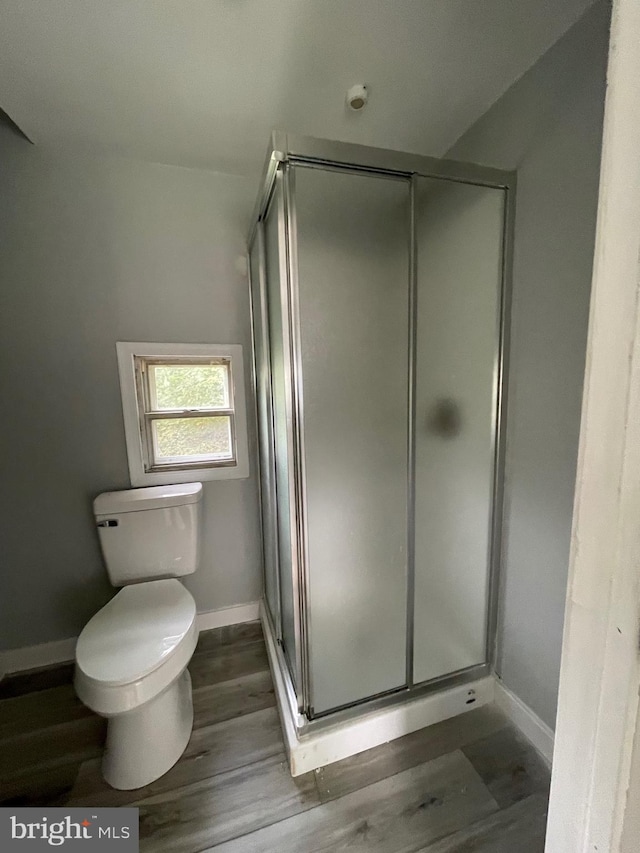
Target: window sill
[193,475]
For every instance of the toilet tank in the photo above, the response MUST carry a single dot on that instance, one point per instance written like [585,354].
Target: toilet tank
[148,534]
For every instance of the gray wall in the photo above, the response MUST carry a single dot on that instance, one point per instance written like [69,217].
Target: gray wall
[91,252]
[548,126]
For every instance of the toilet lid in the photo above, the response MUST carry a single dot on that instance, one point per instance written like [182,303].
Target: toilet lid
[136,631]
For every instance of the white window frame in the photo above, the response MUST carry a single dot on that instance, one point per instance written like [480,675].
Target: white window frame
[134,418]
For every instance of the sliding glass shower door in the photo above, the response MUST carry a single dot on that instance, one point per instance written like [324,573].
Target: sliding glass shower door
[353,293]
[277,303]
[459,258]
[264,404]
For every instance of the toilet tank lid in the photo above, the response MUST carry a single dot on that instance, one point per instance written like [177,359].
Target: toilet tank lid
[154,497]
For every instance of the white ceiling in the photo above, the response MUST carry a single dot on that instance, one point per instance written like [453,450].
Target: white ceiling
[202,82]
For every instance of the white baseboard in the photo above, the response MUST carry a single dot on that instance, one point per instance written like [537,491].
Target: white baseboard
[62,651]
[228,616]
[529,723]
[316,749]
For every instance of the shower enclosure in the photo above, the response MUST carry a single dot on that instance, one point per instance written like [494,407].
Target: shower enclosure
[379,291]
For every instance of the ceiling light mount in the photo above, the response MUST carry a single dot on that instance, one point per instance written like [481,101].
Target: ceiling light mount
[357,97]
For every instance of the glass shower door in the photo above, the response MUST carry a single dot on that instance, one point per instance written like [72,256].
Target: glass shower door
[280,367]
[459,234]
[265,425]
[353,287]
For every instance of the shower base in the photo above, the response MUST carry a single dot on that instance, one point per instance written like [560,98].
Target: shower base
[313,744]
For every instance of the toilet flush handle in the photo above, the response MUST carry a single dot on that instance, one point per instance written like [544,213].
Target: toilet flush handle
[109,522]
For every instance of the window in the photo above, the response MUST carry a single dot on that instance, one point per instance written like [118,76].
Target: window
[184,412]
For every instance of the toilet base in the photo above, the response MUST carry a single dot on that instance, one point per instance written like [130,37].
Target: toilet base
[143,744]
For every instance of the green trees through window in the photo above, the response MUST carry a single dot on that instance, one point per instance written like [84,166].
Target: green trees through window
[184,437]
[192,387]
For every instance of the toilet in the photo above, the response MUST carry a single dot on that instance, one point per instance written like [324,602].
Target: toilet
[132,656]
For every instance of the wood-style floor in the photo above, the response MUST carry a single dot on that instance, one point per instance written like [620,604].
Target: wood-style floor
[467,785]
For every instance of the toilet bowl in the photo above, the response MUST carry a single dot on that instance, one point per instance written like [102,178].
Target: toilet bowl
[132,656]
[131,667]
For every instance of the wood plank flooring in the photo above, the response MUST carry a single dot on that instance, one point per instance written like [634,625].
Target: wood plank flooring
[467,785]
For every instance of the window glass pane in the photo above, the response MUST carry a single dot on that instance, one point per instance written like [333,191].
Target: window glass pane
[191,439]
[189,386]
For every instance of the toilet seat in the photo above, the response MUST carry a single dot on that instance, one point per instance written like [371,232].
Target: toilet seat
[135,646]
